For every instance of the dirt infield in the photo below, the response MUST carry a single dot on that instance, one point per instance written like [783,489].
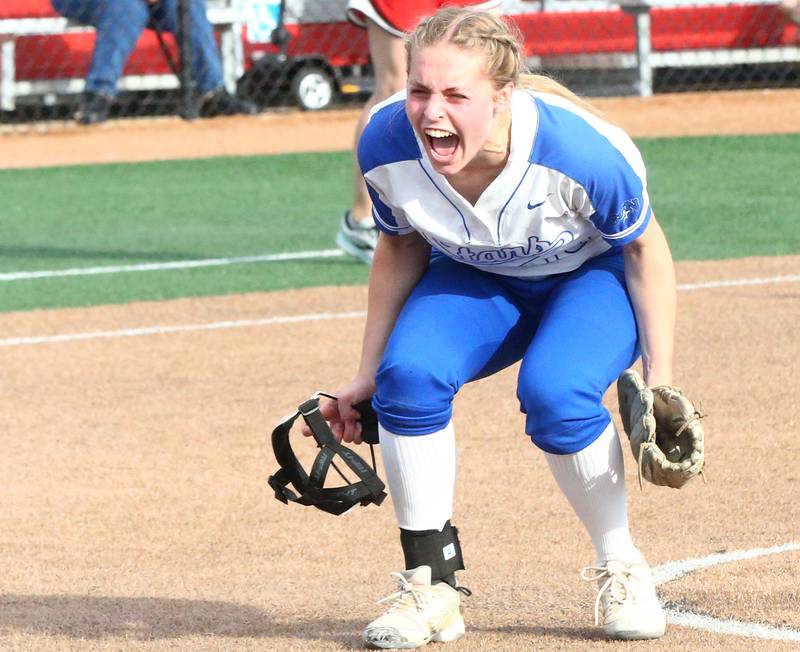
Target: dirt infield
[135,513]
[740,112]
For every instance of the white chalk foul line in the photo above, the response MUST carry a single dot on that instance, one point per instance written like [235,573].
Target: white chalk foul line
[677,616]
[158,330]
[297,255]
[772,280]
[731,627]
[161,330]
[178,264]
[676,569]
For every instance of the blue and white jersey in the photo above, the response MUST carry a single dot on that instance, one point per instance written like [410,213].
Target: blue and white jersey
[574,186]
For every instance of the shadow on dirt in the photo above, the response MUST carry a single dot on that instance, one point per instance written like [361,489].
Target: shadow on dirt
[97,617]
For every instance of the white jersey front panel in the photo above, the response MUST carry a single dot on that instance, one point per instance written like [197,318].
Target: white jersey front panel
[574,186]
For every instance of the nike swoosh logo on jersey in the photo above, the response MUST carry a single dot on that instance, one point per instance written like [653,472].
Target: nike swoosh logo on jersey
[532,206]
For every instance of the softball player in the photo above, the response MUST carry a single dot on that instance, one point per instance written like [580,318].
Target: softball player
[516,225]
[386,22]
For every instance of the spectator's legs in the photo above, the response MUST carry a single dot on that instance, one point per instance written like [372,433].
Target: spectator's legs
[119,23]
[206,65]
[357,234]
[84,12]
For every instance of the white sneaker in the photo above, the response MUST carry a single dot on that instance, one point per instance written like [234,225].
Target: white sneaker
[357,239]
[420,612]
[626,600]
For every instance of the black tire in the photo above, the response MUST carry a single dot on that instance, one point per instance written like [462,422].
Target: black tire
[313,88]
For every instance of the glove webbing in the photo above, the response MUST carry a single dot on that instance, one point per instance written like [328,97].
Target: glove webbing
[696,418]
[310,487]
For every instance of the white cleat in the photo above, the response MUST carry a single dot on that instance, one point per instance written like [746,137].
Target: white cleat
[419,612]
[627,606]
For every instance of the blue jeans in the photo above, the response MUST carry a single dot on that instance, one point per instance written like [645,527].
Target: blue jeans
[574,332]
[118,25]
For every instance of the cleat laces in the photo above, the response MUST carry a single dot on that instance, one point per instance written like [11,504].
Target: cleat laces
[406,594]
[616,588]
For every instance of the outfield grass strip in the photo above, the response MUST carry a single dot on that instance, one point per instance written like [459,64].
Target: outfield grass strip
[323,316]
[716,198]
[178,264]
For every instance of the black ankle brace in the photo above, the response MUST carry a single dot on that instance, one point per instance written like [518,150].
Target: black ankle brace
[439,550]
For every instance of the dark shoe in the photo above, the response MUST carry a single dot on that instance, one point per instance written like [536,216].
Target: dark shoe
[93,109]
[223,103]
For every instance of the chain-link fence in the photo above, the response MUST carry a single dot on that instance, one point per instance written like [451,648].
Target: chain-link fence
[108,58]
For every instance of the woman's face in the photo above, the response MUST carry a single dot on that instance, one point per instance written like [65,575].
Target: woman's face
[451,104]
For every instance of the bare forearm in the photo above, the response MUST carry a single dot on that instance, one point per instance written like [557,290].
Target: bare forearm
[650,276]
[398,264]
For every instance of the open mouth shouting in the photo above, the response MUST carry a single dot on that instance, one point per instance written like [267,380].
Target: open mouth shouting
[442,145]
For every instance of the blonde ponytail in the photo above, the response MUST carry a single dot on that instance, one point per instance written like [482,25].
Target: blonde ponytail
[545,84]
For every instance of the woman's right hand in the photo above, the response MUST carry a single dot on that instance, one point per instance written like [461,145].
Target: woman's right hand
[399,263]
[343,419]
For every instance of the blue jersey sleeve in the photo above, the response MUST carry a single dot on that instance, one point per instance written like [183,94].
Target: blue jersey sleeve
[388,138]
[384,218]
[603,160]
[622,206]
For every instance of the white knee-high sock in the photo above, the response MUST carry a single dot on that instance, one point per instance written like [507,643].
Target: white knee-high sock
[421,476]
[593,480]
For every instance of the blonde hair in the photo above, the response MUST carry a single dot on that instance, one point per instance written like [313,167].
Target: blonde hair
[498,41]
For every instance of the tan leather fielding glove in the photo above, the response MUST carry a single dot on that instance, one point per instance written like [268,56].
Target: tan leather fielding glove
[664,430]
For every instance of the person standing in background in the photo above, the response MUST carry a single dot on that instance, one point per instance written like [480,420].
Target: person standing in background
[386,22]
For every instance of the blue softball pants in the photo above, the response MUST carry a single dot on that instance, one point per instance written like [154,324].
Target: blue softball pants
[574,332]
[118,25]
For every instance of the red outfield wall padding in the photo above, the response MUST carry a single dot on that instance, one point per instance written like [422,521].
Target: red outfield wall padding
[341,44]
[26,9]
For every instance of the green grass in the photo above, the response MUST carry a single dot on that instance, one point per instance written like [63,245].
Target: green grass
[725,197]
[99,215]
[717,197]
[170,210]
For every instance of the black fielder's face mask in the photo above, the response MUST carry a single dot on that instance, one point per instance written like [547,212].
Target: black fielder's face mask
[309,488]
